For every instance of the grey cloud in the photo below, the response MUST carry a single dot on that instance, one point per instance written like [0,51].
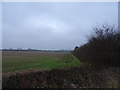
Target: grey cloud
[53,25]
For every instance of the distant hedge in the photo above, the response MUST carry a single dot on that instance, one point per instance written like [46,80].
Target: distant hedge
[102,48]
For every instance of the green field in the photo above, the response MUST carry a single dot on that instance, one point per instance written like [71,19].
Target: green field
[20,60]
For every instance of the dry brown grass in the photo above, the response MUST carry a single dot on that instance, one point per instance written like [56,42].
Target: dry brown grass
[30,53]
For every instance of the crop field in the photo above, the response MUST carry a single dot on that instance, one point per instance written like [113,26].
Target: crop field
[36,60]
[36,69]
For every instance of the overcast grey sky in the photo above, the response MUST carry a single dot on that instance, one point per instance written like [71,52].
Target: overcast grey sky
[53,25]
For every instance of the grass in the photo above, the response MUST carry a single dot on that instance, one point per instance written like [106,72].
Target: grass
[46,62]
[41,70]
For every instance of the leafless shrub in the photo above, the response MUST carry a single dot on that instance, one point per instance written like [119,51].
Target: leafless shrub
[103,47]
[77,77]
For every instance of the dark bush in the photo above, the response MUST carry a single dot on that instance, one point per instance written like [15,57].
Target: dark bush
[102,48]
[77,77]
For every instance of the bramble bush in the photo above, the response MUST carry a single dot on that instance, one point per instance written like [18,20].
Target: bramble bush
[102,48]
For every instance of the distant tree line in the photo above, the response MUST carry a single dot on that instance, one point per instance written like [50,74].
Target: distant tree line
[102,48]
[30,49]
